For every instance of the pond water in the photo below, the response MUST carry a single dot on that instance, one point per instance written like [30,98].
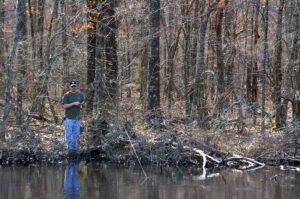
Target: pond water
[97,180]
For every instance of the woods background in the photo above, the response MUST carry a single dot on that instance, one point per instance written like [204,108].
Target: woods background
[181,64]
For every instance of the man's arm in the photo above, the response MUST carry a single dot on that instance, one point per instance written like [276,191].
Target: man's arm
[70,105]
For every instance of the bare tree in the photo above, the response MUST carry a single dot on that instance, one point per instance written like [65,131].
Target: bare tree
[52,58]
[277,71]
[292,63]
[154,62]
[2,43]
[296,65]
[265,62]
[220,89]
[21,15]
[111,59]
[22,54]
[200,64]
[91,52]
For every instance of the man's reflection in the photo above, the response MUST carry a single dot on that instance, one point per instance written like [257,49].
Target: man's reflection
[72,182]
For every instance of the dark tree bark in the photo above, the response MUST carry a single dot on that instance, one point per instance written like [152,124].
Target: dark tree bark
[91,52]
[41,54]
[277,71]
[220,63]
[190,53]
[40,30]
[154,62]
[252,66]
[254,87]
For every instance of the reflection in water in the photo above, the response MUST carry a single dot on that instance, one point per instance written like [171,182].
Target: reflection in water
[96,180]
[71,181]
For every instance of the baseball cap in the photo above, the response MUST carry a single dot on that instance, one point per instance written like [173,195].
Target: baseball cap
[73,83]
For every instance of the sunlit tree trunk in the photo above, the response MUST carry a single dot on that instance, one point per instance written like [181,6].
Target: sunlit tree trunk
[277,71]
[153,103]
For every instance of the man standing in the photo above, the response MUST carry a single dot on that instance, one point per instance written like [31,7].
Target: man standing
[72,101]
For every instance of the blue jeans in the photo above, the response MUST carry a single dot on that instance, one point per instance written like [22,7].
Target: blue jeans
[72,131]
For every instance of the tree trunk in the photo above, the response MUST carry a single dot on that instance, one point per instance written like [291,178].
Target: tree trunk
[41,55]
[91,52]
[190,53]
[143,73]
[200,64]
[154,62]
[265,63]
[100,95]
[66,54]
[111,50]
[40,30]
[10,69]
[33,31]
[220,64]
[229,43]
[22,54]
[277,73]
[254,87]
[4,46]
[292,63]
[297,68]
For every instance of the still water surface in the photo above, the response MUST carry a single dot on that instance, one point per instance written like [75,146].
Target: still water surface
[95,180]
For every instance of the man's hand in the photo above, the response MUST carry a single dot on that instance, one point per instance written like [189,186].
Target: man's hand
[83,103]
[76,103]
